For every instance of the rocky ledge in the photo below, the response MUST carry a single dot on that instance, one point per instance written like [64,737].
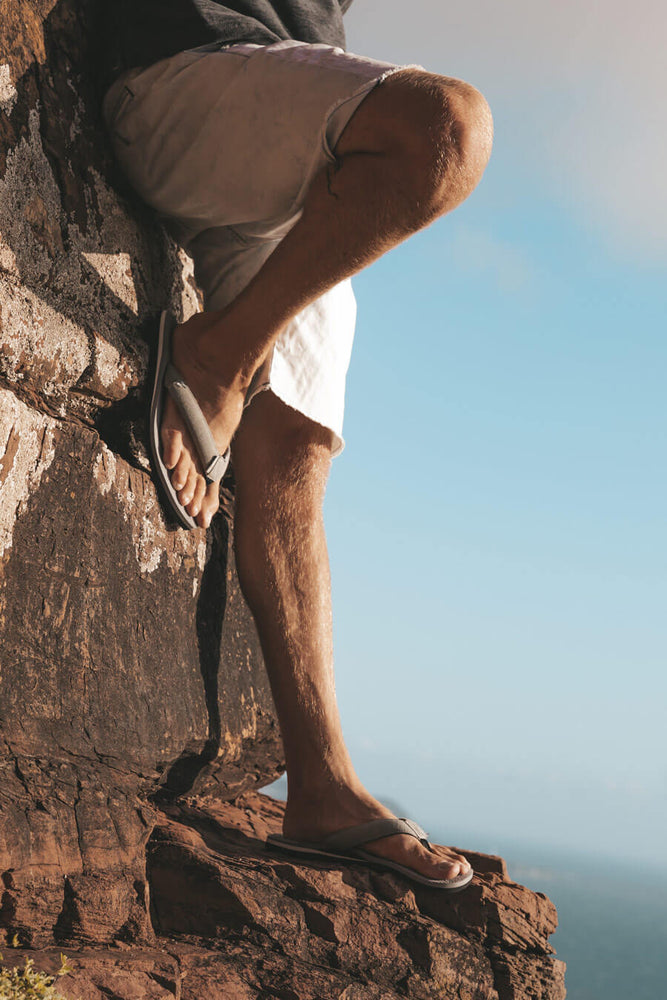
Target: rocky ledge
[229,919]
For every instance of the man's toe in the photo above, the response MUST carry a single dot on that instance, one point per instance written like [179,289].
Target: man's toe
[451,869]
[451,864]
[181,471]
[172,446]
[210,504]
[187,492]
[194,506]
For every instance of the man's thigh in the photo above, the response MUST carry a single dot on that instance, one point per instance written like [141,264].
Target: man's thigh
[233,137]
[224,145]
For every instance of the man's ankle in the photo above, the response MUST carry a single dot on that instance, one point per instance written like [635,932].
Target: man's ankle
[233,366]
[314,785]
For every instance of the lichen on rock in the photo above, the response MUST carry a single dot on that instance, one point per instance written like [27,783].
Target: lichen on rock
[7,89]
[27,448]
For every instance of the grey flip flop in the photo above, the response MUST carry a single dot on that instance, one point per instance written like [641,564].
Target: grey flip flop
[346,845]
[168,377]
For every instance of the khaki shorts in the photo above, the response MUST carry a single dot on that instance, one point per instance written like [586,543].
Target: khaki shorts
[224,143]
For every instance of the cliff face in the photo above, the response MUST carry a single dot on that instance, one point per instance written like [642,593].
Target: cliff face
[116,628]
[229,920]
[134,708]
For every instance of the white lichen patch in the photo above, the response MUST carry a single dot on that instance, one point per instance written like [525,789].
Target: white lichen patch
[115,270]
[201,553]
[8,92]
[104,469]
[117,229]
[139,507]
[27,449]
[140,512]
[112,370]
[200,559]
[38,339]
[7,258]
[148,534]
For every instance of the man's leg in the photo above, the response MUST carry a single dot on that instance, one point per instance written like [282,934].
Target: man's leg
[413,150]
[281,464]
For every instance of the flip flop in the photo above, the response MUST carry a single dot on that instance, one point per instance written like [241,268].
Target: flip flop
[346,844]
[166,376]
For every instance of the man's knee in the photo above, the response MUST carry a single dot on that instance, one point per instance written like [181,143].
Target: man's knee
[445,130]
[440,130]
[279,450]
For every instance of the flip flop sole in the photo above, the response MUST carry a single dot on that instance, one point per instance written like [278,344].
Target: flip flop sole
[168,379]
[303,847]
[450,885]
[162,358]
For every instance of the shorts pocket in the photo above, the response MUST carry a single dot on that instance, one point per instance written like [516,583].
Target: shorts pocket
[115,107]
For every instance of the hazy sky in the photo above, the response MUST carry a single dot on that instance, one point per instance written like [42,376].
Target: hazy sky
[579,87]
[497,521]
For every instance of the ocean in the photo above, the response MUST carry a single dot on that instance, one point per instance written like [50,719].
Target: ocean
[612,931]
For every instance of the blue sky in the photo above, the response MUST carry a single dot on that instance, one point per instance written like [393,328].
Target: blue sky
[497,520]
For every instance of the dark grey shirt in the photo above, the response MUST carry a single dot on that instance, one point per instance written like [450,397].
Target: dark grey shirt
[139,32]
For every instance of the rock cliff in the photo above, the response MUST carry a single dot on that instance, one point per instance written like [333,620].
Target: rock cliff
[135,715]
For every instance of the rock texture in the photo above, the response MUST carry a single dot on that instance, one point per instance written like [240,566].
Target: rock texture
[227,919]
[129,664]
[106,608]
[135,716]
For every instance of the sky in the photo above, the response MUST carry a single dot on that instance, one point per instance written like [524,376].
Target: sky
[497,520]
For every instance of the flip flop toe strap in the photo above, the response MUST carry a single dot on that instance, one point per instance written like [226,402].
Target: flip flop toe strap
[356,836]
[213,463]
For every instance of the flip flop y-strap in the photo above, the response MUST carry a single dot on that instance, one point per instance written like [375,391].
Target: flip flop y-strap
[356,836]
[213,463]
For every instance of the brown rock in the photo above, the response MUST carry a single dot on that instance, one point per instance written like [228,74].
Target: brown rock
[367,925]
[118,631]
[234,919]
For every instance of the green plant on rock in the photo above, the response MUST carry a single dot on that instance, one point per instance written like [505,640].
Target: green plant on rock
[28,984]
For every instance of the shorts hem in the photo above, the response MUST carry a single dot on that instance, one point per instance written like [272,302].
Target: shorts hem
[337,441]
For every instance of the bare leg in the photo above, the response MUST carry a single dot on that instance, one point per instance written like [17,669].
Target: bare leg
[281,462]
[414,149]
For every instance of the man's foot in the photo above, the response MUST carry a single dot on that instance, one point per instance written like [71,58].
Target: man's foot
[315,817]
[221,397]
